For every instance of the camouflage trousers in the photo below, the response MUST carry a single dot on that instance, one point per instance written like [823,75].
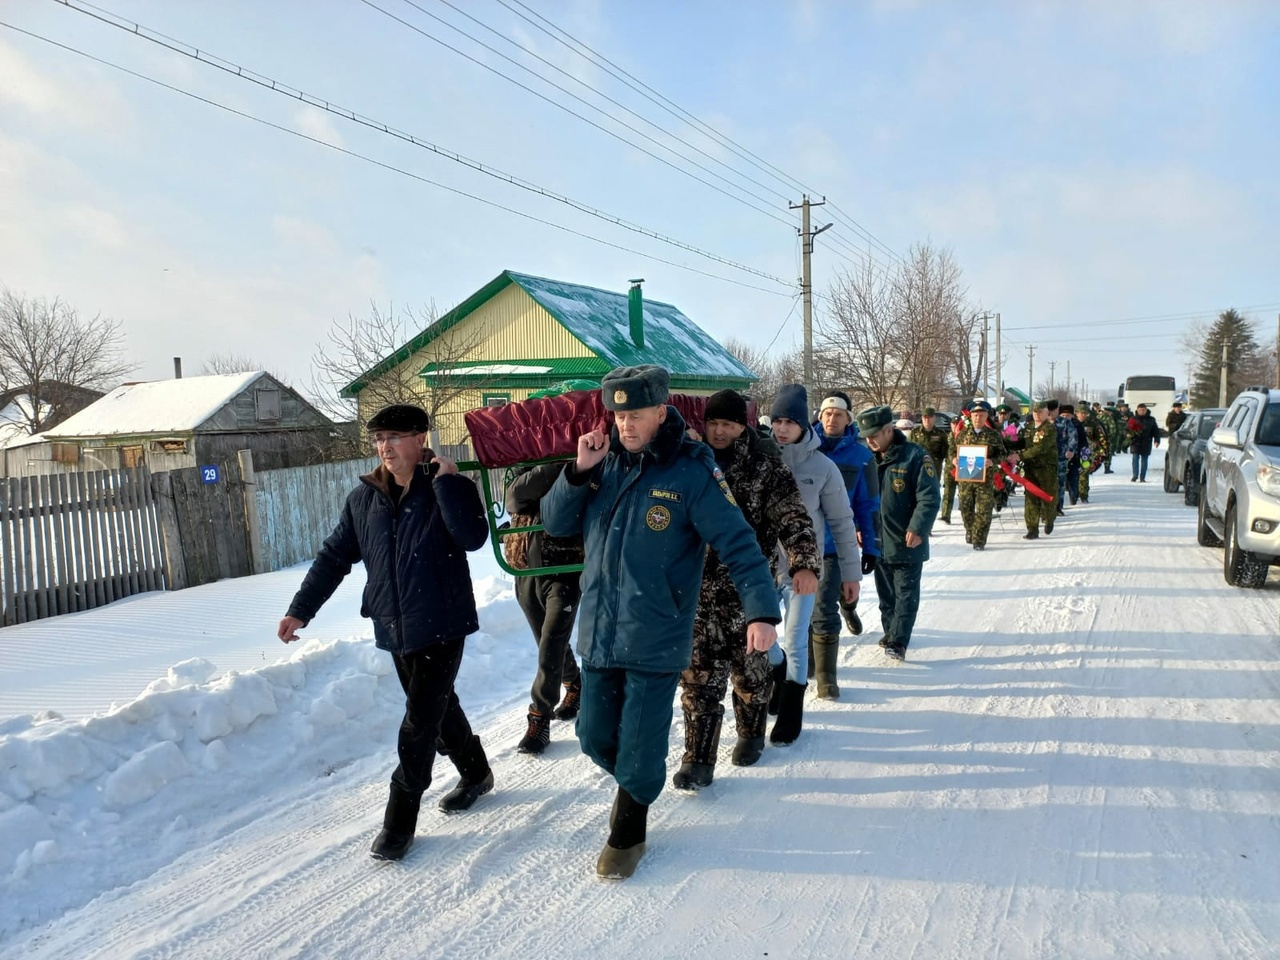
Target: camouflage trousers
[977,500]
[1036,511]
[720,654]
[1083,484]
[948,490]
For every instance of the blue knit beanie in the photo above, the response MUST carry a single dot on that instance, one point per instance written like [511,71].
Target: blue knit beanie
[791,403]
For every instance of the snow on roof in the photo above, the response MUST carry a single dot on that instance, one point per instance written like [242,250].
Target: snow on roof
[159,406]
[601,320]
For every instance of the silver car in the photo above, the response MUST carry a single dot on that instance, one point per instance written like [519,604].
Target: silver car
[1240,488]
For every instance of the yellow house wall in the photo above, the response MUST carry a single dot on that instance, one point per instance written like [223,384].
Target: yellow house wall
[511,326]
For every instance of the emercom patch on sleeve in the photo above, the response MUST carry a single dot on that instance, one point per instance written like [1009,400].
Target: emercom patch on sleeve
[724,486]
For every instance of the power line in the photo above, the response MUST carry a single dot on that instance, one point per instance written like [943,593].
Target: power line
[649,93]
[586,120]
[213,60]
[596,90]
[386,166]
[1158,318]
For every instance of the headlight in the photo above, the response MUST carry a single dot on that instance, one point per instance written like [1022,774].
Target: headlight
[1269,478]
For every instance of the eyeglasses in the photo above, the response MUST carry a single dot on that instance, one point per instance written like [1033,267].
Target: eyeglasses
[382,439]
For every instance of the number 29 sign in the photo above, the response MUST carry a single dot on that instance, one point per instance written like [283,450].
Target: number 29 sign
[210,474]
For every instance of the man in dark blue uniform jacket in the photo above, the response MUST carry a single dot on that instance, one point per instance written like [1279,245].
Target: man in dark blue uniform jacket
[646,499]
[411,521]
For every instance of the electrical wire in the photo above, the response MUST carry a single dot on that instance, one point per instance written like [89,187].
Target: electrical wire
[642,88]
[586,120]
[1157,318]
[213,60]
[386,166]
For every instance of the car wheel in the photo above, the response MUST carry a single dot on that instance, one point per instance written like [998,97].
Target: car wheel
[1190,489]
[1170,484]
[1204,533]
[1239,567]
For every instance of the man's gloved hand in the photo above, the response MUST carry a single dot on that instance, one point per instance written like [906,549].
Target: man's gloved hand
[868,563]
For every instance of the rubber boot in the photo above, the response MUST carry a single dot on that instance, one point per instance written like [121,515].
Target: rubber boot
[701,741]
[398,825]
[751,719]
[626,844]
[776,676]
[827,649]
[477,779]
[790,714]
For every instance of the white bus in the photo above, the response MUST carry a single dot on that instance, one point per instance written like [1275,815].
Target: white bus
[1157,392]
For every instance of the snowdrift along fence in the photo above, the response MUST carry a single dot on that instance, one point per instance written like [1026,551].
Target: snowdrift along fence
[74,541]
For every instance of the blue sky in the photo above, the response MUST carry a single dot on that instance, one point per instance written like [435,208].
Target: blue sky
[1084,162]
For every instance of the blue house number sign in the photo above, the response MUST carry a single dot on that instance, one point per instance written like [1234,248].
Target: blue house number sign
[210,474]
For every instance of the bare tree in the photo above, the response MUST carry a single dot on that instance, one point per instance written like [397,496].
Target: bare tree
[374,359]
[772,372]
[223,363]
[56,358]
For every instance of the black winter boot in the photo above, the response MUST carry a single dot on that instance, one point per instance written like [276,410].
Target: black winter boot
[851,619]
[571,702]
[777,675]
[626,845]
[477,779]
[790,714]
[827,649]
[537,736]
[701,741]
[747,751]
[398,824]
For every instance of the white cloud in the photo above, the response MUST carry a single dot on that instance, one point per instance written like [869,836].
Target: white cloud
[316,123]
[52,98]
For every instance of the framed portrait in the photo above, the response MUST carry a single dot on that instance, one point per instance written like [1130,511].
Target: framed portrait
[971,463]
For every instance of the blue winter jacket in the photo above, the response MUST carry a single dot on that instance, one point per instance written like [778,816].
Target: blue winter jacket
[419,585]
[857,466]
[646,519]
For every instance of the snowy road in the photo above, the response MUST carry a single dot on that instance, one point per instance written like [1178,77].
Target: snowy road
[1079,759]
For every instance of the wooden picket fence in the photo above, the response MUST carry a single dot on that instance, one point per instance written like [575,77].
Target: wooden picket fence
[74,541]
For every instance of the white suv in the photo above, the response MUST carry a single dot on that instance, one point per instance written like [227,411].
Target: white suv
[1240,488]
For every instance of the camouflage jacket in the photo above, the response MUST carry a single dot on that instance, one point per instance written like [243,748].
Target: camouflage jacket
[1040,452]
[766,491]
[935,443]
[988,437]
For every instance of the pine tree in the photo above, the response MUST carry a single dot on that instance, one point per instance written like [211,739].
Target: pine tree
[1245,362]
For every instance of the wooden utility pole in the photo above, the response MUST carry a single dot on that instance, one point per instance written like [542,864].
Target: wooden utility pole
[1222,377]
[999,365]
[806,281]
[1031,372]
[1052,365]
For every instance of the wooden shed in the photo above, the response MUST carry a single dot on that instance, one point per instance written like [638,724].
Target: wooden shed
[187,422]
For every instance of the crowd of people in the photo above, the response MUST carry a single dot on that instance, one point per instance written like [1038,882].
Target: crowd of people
[716,562]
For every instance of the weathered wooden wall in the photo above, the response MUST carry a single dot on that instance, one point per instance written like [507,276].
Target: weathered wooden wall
[74,541]
[298,507]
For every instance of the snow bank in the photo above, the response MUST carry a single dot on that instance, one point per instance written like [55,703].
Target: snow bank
[182,752]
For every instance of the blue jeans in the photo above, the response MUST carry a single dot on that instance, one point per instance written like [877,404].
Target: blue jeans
[794,642]
[1140,461]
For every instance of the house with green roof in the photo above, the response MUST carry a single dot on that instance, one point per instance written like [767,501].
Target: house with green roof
[519,334]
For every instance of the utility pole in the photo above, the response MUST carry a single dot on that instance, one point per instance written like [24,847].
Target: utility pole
[1278,351]
[1069,389]
[806,281]
[999,366]
[1052,365]
[1031,372]
[1222,377]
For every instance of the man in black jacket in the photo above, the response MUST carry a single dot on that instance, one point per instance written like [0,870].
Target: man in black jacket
[550,604]
[410,521]
[1143,432]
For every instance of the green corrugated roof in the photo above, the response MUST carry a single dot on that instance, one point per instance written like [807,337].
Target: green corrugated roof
[601,320]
